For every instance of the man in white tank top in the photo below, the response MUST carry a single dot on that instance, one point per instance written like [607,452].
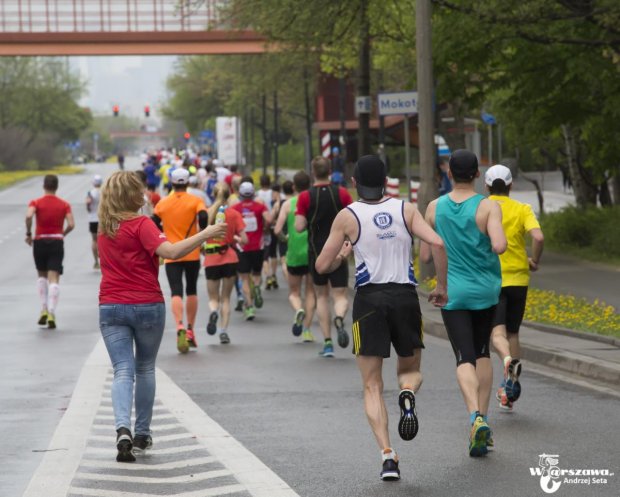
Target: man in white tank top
[386,311]
[92,205]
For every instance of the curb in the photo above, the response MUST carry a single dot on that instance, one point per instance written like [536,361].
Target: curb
[572,333]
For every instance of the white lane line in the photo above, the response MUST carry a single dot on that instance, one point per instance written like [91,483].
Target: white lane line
[186,463]
[111,452]
[192,478]
[156,410]
[163,438]
[248,469]
[211,492]
[54,474]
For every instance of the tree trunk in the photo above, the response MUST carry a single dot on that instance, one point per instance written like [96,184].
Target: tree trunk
[363,81]
[585,195]
[616,187]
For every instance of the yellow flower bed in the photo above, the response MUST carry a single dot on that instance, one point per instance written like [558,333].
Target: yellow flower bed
[8,178]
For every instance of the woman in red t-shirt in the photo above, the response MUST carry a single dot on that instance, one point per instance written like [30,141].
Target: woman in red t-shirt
[131,304]
[221,262]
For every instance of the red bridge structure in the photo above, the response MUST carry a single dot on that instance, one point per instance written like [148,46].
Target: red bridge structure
[121,27]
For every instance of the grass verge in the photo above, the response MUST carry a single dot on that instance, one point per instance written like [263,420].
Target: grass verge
[8,178]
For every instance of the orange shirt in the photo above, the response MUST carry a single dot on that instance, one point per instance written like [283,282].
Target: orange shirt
[178,213]
[235,223]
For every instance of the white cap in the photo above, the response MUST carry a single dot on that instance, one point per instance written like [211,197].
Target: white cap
[217,162]
[180,176]
[97,180]
[246,189]
[193,180]
[498,172]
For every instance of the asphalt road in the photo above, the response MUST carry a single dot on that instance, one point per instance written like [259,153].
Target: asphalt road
[300,414]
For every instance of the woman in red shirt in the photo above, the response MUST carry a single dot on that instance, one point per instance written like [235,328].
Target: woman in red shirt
[221,261]
[131,304]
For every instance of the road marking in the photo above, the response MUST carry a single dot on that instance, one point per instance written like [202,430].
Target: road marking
[157,428]
[185,463]
[191,478]
[108,451]
[156,417]
[210,492]
[164,438]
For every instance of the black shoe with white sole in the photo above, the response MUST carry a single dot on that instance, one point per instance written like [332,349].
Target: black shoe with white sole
[390,471]
[408,424]
[212,325]
[142,443]
[124,444]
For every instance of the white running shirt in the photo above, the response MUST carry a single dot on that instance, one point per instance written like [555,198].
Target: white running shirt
[94,195]
[383,248]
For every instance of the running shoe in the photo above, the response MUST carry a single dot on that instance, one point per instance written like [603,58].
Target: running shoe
[478,437]
[224,338]
[502,398]
[191,338]
[343,336]
[269,283]
[42,318]
[274,283]
[124,444]
[142,443]
[390,471]
[328,350]
[408,424]
[249,313]
[239,306]
[257,296]
[212,325]
[298,325]
[307,336]
[51,321]
[182,344]
[513,386]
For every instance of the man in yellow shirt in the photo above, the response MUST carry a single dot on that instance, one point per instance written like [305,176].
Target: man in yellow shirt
[517,220]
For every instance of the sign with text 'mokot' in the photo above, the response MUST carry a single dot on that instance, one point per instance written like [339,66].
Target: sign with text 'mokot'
[404,102]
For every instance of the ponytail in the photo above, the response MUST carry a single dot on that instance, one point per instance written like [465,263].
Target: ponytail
[221,192]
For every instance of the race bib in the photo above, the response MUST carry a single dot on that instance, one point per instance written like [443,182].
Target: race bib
[251,224]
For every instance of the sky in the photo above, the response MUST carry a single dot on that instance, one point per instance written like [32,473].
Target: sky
[131,82]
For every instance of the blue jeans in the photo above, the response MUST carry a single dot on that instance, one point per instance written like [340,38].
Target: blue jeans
[121,326]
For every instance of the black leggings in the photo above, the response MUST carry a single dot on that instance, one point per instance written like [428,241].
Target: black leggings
[174,272]
[469,333]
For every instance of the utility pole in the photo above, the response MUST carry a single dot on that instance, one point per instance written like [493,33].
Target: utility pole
[265,137]
[252,157]
[308,122]
[428,189]
[276,132]
[342,115]
[363,81]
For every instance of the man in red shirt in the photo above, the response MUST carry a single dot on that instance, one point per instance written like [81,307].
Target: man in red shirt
[256,217]
[316,210]
[48,246]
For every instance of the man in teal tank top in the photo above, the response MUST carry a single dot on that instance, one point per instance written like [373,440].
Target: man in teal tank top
[471,228]
[297,262]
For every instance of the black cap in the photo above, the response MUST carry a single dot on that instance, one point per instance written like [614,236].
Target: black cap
[370,174]
[463,164]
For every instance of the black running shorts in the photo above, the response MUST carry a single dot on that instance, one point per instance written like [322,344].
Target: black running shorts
[48,255]
[338,279]
[93,227]
[469,333]
[511,308]
[219,272]
[175,272]
[251,262]
[298,270]
[387,314]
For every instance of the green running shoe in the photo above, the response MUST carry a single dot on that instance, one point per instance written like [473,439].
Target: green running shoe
[42,318]
[249,313]
[307,336]
[478,438]
[182,343]
[257,296]
[51,321]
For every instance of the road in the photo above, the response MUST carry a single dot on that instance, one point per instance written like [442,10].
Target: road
[301,416]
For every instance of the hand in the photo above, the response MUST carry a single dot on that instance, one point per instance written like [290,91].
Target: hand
[29,240]
[215,230]
[346,249]
[237,238]
[438,297]
[533,265]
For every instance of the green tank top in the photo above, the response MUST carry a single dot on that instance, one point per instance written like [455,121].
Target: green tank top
[474,271]
[297,252]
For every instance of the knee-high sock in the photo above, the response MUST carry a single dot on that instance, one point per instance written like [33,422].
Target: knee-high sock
[53,296]
[177,310]
[192,309]
[42,288]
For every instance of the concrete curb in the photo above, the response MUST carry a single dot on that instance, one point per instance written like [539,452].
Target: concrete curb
[572,333]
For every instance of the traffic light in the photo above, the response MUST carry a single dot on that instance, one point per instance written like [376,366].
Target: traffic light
[147,111]
[187,136]
[115,110]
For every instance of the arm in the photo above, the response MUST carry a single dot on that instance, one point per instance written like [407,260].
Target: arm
[301,223]
[89,201]
[284,211]
[336,248]
[181,248]
[538,241]
[426,254]
[157,220]
[241,238]
[495,230]
[29,215]
[70,223]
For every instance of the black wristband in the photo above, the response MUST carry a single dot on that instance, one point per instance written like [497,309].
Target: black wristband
[28,233]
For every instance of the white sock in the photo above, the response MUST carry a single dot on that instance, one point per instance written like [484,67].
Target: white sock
[54,295]
[42,291]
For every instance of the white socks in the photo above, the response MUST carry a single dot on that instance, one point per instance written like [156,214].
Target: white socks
[52,299]
[42,291]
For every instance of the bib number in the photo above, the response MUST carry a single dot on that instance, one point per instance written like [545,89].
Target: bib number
[251,224]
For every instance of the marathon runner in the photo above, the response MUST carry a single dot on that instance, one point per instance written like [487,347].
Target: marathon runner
[92,205]
[471,228]
[517,220]
[386,310]
[176,215]
[317,208]
[51,213]
[297,269]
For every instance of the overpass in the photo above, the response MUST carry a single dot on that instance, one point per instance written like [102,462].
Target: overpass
[121,27]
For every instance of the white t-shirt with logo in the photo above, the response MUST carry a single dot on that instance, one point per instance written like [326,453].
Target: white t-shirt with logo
[94,196]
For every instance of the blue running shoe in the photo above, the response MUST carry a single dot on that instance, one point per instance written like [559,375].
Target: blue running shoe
[479,438]
[513,386]
[328,350]
[408,424]
[298,325]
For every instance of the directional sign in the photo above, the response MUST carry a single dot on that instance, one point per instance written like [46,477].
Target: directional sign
[488,118]
[405,102]
[362,105]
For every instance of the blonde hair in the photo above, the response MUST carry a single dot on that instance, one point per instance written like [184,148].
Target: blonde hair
[221,192]
[122,196]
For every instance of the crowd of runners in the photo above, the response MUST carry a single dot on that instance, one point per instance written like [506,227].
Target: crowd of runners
[187,210]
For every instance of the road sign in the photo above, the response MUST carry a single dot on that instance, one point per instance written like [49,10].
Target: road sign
[208,134]
[488,118]
[362,105]
[405,102]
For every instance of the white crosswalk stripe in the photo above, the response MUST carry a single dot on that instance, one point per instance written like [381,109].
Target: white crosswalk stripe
[184,463]
[209,492]
[191,478]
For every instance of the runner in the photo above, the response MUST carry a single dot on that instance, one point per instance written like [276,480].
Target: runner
[221,261]
[386,309]
[273,252]
[131,304]
[316,210]
[193,189]
[517,220]
[297,261]
[92,204]
[255,217]
[121,161]
[471,228]
[177,213]
[51,212]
